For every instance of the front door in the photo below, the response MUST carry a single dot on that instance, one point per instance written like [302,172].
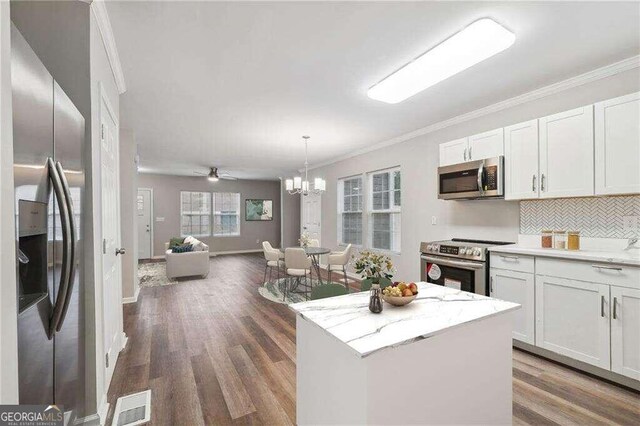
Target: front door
[310,222]
[111,270]
[144,224]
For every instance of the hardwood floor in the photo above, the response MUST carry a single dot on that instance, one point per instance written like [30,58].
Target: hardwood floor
[215,352]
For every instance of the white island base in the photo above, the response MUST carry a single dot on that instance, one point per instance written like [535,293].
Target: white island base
[461,376]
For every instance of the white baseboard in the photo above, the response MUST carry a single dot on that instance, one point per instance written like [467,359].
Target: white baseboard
[133,299]
[124,340]
[103,411]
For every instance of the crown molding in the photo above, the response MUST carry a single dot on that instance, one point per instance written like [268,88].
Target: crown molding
[579,80]
[106,32]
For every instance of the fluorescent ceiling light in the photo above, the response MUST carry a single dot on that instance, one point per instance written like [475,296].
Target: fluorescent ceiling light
[477,42]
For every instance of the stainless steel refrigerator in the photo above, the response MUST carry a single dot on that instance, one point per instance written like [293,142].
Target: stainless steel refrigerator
[48,133]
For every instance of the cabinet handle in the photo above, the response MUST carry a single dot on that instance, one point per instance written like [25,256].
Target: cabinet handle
[615,303]
[509,257]
[491,286]
[542,183]
[465,154]
[602,306]
[610,268]
[533,183]
[470,152]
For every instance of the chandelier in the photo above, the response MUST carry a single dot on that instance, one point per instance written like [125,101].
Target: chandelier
[299,186]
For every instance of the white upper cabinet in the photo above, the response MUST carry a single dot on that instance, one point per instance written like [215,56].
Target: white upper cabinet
[486,145]
[521,177]
[625,332]
[566,154]
[454,152]
[617,140]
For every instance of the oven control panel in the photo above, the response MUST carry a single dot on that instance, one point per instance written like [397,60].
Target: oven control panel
[455,251]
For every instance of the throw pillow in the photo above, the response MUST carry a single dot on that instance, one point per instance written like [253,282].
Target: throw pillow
[184,248]
[175,241]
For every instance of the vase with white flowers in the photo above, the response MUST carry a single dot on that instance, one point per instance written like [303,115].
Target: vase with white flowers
[374,268]
[305,240]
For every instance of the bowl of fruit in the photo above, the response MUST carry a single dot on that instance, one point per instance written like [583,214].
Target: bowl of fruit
[400,293]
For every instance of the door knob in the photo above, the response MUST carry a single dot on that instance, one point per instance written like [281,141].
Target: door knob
[120,251]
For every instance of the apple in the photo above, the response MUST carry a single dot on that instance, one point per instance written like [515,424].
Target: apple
[414,288]
[406,292]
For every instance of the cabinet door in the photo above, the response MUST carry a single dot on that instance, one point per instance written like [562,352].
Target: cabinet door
[625,331]
[617,139]
[572,319]
[517,287]
[453,152]
[566,154]
[486,145]
[521,177]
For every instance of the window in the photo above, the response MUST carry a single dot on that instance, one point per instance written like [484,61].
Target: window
[350,210]
[384,210]
[195,214]
[226,214]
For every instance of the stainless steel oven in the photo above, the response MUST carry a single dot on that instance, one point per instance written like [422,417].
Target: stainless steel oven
[472,180]
[457,263]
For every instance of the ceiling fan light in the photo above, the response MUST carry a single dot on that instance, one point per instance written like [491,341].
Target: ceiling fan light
[212,178]
[475,43]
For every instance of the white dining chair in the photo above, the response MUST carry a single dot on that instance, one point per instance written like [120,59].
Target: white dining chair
[273,258]
[297,266]
[338,262]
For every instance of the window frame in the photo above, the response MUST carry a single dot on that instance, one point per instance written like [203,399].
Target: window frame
[341,210]
[394,210]
[191,213]
[238,215]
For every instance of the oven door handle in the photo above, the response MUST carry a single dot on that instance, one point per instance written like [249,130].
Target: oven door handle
[458,264]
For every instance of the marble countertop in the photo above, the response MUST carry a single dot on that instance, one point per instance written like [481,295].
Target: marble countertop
[435,310]
[620,257]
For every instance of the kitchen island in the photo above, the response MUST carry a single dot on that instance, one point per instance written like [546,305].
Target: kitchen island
[443,359]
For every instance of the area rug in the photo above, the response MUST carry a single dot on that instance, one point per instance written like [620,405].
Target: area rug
[154,274]
[271,291]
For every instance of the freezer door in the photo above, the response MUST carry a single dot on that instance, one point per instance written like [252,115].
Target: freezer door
[69,133]
[32,96]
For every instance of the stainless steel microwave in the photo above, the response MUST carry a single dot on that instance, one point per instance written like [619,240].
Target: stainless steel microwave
[472,180]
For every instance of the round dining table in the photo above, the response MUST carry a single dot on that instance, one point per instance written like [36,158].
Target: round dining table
[314,253]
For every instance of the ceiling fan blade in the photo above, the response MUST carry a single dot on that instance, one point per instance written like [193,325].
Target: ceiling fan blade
[227,177]
[199,173]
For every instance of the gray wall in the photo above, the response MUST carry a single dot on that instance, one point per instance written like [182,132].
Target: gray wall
[166,203]
[290,218]
[418,158]
[128,216]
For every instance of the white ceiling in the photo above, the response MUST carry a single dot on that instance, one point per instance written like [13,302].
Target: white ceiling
[236,85]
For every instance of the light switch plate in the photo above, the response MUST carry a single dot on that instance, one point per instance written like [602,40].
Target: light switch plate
[159,219]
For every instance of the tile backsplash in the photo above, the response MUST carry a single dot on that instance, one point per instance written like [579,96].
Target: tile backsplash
[601,217]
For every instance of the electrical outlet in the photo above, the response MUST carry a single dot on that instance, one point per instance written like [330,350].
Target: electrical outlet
[257,240]
[434,220]
[630,223]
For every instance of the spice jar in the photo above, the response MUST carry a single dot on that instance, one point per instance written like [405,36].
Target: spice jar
[573,240]
[375,299]
[546,239]
[560,240]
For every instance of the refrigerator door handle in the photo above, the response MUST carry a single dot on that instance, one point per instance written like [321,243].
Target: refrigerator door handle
[72,244]
[66,241]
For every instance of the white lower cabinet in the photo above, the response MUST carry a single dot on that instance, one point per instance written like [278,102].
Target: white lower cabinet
[625,331]
[517,287]
[572,319]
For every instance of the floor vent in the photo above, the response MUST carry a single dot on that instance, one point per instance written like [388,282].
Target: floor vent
[134,409]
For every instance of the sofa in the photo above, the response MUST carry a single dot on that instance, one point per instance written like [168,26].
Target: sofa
[189,263]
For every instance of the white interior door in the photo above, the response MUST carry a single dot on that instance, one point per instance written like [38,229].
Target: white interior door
[145,239]
[311,209]
[111,264]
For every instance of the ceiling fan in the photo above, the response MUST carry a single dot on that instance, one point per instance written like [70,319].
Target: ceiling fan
[214,176]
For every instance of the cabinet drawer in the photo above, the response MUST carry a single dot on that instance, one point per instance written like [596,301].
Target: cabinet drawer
[597,272]
[512,262]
